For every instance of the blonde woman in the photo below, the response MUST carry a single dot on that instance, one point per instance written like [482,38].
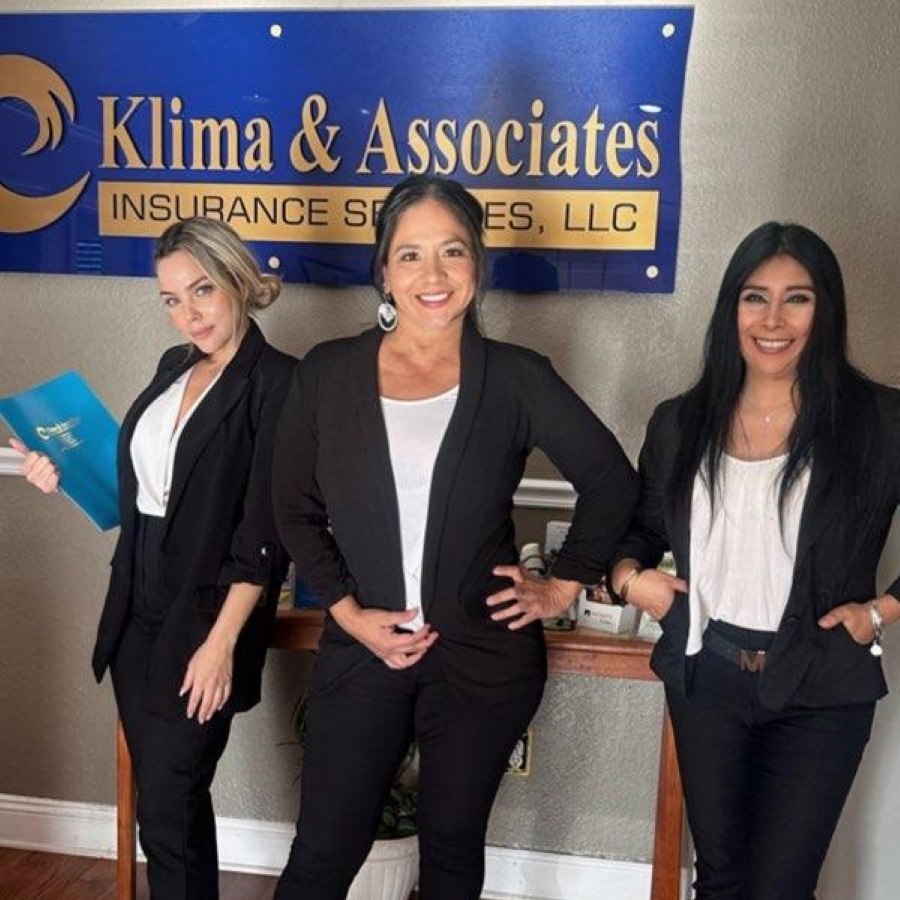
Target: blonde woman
[197,566]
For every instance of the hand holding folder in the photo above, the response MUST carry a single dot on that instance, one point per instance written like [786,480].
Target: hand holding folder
[37,468]
[64,421]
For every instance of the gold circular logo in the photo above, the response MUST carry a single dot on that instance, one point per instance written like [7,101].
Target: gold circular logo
[42,88]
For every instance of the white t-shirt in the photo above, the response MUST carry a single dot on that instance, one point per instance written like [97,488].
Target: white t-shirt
[742,562]
[155,441]
[415,430]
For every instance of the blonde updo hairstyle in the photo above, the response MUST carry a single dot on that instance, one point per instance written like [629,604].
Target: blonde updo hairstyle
[224,257]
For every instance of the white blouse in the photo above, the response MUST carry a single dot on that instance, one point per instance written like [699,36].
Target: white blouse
[155,441]
[742,560]
[415,430]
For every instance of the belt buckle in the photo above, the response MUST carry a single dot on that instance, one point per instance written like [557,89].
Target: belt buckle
[752,660]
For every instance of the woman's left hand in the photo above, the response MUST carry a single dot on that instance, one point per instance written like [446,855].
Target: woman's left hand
[531,597]
[855,617]
[208,678]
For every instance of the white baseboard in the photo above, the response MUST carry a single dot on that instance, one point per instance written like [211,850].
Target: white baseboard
[520,874]
[57,826]
[248,845]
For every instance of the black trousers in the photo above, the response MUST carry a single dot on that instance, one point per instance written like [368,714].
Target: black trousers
[763,789]
[174,758]
[358,733]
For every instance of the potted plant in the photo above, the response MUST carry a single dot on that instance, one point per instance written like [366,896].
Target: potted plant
[389,872]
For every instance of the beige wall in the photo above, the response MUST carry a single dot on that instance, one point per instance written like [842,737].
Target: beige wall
[791,111]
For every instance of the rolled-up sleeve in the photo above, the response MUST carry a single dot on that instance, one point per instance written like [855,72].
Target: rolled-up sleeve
[256,556]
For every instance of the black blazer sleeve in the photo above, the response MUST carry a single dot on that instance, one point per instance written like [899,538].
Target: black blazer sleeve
[893,430]
[589,456]
[647,538]
[300,513]
[254,545]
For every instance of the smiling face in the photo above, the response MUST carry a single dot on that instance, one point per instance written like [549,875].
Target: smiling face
[430,269]
[197,307]
[775,313]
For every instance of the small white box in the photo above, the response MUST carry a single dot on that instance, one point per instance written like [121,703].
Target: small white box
[605,616]
[648,629]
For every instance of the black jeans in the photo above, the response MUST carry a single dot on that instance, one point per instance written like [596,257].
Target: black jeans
[175,758]
[763,789]
[358,733]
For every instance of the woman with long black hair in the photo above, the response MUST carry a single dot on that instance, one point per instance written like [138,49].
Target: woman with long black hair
[774,481]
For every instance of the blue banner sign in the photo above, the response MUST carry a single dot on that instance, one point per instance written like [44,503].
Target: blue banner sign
[293,125]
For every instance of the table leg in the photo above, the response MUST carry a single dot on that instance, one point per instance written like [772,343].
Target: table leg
[126,865]
[666,879]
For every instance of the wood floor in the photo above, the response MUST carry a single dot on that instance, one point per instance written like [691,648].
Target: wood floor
[29,875]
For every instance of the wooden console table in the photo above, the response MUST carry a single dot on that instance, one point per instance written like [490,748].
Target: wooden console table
[583,652]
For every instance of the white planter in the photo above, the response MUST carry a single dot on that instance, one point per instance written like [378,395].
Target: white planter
[389,872]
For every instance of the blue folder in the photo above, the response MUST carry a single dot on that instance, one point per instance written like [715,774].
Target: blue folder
[64,419]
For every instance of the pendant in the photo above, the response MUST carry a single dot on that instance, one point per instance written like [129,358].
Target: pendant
[876,649]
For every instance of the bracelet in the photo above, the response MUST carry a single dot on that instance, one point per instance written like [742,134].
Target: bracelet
[877,627]
[630,578]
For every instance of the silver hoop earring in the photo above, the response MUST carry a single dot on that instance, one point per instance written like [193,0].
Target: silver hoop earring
[387,313]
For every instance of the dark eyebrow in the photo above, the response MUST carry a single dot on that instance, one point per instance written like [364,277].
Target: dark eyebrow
[190,287]
[413,246]
[792,287]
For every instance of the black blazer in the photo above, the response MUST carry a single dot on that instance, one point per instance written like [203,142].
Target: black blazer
[336,505]
[838,549]
[218,525]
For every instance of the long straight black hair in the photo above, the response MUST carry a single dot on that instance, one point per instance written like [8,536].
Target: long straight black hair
[836,417]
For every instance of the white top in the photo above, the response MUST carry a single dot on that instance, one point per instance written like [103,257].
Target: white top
[415,430]
[155,441]
[742,563]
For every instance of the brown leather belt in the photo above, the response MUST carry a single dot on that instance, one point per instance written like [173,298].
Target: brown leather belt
[745,660]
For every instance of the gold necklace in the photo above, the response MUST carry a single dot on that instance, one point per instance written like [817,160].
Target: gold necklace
[752,453]
[768,416]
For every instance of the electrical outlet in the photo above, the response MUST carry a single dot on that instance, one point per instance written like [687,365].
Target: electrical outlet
[520,758]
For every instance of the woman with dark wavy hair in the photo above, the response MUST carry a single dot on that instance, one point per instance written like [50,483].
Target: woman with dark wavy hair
[395,466]
[774,481]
